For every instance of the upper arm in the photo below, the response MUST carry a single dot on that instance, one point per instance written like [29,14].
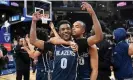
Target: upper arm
[92,40]
[33,54]
[93,57]
[39,44]
[54,40]
[130,49]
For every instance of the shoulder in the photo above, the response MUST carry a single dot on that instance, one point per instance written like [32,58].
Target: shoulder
[81,41]
[93,46]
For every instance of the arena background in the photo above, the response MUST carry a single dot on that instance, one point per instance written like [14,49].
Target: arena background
[112,14]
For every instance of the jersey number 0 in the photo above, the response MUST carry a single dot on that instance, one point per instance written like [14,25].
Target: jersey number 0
[81,61]
[63,63]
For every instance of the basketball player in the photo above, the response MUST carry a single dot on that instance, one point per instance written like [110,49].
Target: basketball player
[42,65]
[104,56]
[65,59]
[87,70]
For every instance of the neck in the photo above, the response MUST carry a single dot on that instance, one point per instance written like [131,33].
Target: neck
[78,37]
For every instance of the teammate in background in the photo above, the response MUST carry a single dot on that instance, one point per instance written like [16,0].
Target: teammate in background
[40,59]
[104,57]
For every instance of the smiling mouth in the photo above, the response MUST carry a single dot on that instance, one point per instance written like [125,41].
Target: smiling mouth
[66,34]
[73,32]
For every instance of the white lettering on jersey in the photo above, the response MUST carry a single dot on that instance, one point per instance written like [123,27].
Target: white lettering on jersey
[65,52]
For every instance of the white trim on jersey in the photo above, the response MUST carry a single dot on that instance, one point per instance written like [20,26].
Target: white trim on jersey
[44,62]
[86,78]
[47,60]
[76,69]
[54,57]
[65,46]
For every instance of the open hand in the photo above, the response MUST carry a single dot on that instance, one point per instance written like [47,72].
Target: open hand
[36,16]
[74,46]
[88,7]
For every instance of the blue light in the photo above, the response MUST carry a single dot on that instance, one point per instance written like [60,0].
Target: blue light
[5,2]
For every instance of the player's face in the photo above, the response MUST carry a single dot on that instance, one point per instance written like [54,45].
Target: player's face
[77,29]
[65,31]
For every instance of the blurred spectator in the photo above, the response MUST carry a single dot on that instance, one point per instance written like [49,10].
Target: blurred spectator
[122,62]
[22,61]
[3,57]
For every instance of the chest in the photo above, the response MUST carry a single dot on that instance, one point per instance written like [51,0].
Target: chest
[67,52]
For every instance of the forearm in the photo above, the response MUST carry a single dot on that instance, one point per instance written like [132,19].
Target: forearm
[94,62]
[31,47]
[61,41]
[55,32]
[33,36]
[97,27]
[30,52]
[94,74]
[57,41]
[33,54]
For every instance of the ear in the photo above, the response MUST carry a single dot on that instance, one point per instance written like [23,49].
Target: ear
[59,32]
[83,30]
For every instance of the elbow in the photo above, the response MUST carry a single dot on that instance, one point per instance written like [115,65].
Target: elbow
[100,38]
[95,71]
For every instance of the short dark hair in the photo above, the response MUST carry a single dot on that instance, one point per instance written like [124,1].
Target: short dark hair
[62,22]
[42,34]
[105,28]
[82,23]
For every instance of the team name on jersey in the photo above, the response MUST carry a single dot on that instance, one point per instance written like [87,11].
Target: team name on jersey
[84,54]
[65,53]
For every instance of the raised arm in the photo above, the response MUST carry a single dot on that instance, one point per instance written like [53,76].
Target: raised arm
[33,37]
[97,27]
[54,30]
[94,62]
[30,49]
